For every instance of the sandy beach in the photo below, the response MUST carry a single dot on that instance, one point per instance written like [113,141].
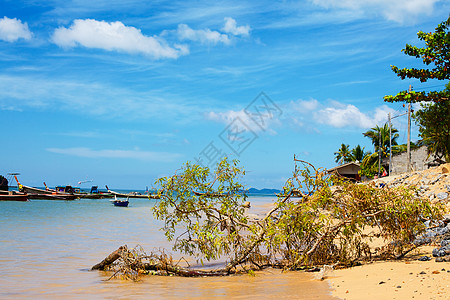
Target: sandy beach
[404,279]
[407,278]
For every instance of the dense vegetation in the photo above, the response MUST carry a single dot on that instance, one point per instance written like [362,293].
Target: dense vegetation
[433,119]
[316,220]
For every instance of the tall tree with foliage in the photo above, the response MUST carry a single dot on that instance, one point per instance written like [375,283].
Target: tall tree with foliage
[433,119]
[377,133]
[436,55]
[369,165]
[343,155]
[358,153]
[434,127]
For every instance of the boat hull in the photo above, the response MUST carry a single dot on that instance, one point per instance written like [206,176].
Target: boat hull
[13,196]
[40,194]
[52,197]
[133,195]
[32,190]
[121,203]
[95,196]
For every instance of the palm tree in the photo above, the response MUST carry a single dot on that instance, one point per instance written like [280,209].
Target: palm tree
[357,153]
[369,165]
[343,155]
[376,133]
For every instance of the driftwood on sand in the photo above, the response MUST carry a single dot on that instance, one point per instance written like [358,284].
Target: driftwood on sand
[134,262]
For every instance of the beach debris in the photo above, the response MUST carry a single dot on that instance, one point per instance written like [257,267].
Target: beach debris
[324,272]
[443,259]
[442,196]
[424,258]
[109,259]
[131,263]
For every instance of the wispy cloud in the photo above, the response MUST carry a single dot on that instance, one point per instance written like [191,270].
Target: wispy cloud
[111,153]
[115,36]
[9,107]
[12,30]
[205,13]
[245,122]
[208,36]
[204,36]
[25,92]
[81,134]
[397,11]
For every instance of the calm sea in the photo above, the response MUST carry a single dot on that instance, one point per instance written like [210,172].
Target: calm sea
[47,248]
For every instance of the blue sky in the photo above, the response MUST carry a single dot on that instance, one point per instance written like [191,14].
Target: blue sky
[123,92]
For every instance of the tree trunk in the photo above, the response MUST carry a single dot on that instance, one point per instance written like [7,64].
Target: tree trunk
[109,260]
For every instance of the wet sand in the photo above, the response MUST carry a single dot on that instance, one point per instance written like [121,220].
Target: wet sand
[270,284]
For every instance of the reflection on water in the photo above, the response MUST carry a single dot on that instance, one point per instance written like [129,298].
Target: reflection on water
[47,247]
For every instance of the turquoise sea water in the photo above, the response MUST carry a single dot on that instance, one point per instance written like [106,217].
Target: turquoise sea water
[47,247]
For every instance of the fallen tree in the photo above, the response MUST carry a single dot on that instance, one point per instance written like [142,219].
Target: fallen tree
[323,224]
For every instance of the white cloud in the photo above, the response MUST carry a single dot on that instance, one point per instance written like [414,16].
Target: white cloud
[305,106]
[13,29]
[245,122]
[347,115]
[208,36]
[204,36]
[336,114]
[108,153]
[115,36]
[229,116]
[306,113]
[398,10]
[341,116]
[230,27]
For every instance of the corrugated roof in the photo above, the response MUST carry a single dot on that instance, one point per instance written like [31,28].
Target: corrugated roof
[343,166]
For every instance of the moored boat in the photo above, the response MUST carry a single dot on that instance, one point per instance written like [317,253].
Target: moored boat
[133,195]
[13,196]
[55,196]
[95,194]
[120,202]
[36,193]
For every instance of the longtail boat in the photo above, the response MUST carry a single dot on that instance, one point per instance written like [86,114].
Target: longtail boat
[13,196]
[31,190]
[56,196]
[36,193]
[94,194]
[132,195]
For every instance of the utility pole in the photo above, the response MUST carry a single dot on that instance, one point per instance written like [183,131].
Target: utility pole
[408,145]
[390,138]
[379,152]
[390,143]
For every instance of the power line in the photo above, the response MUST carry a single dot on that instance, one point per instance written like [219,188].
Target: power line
[429,87]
